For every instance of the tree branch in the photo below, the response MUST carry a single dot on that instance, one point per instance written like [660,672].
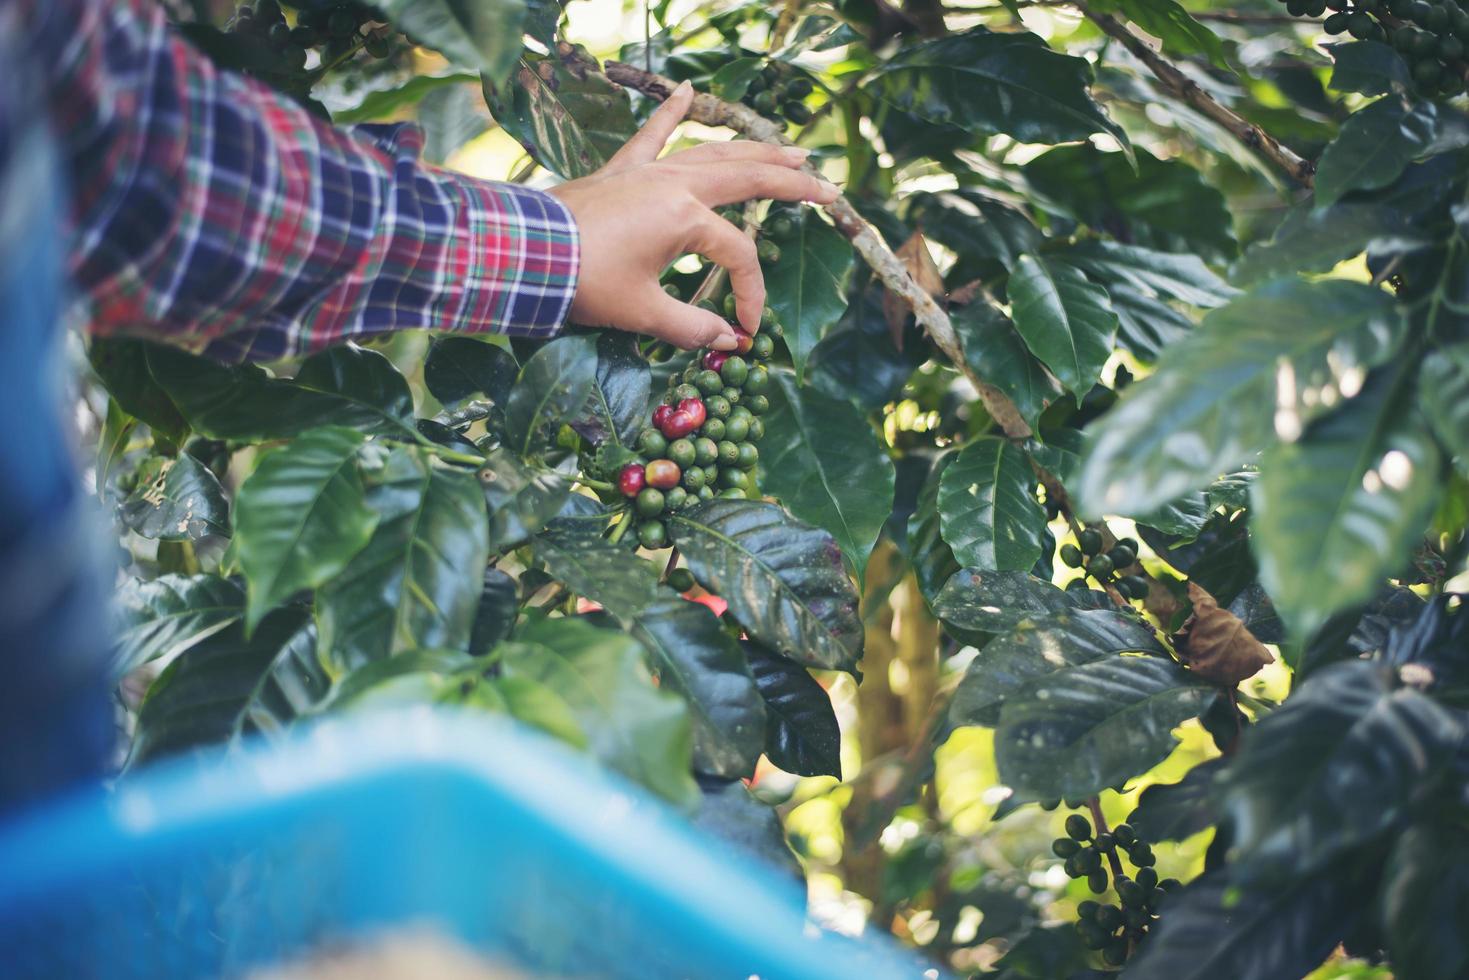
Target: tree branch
[1298,169]
[888,268]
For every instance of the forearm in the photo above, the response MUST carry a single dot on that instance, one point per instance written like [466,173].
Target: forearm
[212,212]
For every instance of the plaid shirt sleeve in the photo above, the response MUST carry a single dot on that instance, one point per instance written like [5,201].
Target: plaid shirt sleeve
[210,212]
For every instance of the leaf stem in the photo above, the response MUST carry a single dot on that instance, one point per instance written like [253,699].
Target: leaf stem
[452,455]
[587,481]
[622,526]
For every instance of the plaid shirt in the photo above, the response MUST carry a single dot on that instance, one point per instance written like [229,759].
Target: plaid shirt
[210,212]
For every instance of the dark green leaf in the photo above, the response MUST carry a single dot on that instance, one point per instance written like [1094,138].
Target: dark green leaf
[1095,725]
[807,288]
[1219,396]
[522,498]
[389,102]
[1163,204]
[122,364]
[1425,889]
[998,354]
[450,117]
[1174,811]
[302,517]
[733,79]
[690,652]
[165,617]
[747,827]
[1374,147]
[630,724]
[483,35]
[1443,391]
[857,361]
[979,601]
[227,686]
[1181,35]
[1169,275]
[571,124]
[618,408]
[933,560]
[552,388]
[1066,320]
[783,580]
[801,732]
[1213,929]
[824,462]
[1343,762]
[494,617]
[999,83]
[1037,649]
[416,585]
[1339,509]
[346,386]
[987,234]
[458,368]
[1370,68]
[1316,239]
[987,507]
[177,499]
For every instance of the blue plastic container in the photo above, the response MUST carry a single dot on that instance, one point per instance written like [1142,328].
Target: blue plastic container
[485,831]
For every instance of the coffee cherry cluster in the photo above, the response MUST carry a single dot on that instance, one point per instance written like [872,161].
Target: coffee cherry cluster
[1113,930]
[334,27]
[1108,567]
[701,442]
[779,90]
[1432,35]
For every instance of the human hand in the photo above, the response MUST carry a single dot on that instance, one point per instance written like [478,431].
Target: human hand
[639,213]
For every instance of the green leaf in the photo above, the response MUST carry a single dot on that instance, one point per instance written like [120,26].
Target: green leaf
[997,83]
[1146,326]
[1425,882]
[1036,649]
[1443,393]
[1160,204]
[807,288]
[1340,764]
[1169,275]
[481,35]
[824,462]
[347,386]
[933,560]
[226,686]
[733,79]
[552,388]
[122,364]
[1369,68]
[1175,811]
[1218,397]
[177,499]
[389,102]
[1216,929]
[987,507]
[571,125]
[416,585]
[163,618]
[691,654]
[630,724]
[521,498]
[450,117]
[1316,239]
[494,617]
[1338,510]
[618,408]
[998,354]
[1374,147]
[1066,320]
[458,368]
[801,731]
[302,517]
[730,814]
[978,600]
[784,580]
[1095,725]
[1182,36]
[112,441]
[987,234]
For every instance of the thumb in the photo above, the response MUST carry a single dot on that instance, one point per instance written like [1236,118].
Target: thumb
[688,326]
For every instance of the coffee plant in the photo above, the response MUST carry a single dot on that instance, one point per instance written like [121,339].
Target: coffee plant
[1067,577]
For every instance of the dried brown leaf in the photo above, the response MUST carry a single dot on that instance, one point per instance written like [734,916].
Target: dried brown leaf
[1216,644]
[919,262]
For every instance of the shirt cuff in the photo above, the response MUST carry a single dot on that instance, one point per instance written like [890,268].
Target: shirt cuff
[526,242]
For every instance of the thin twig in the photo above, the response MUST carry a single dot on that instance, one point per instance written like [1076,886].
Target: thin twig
[889,269]
[1298,169]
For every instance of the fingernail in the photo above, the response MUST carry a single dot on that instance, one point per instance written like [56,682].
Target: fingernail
[828,188]
[684,86]
[725,341]
[797,154]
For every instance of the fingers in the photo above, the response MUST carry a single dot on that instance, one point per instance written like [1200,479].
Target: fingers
[736,150]
[687,326]
[649,141]
[731,183]
[727,246]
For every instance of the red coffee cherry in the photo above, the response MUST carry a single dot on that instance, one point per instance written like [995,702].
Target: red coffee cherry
[678,424]
[695,409]
[632,479]
[663,474]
